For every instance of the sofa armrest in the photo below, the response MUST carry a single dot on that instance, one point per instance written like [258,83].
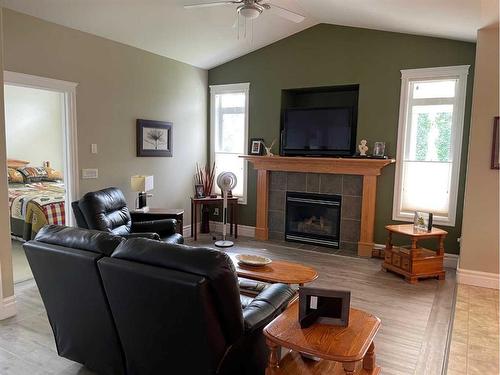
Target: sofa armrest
[266,306]
[164,227]
[149,235]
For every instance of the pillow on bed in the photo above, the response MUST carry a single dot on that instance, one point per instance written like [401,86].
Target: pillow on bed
[53,175]
[14,176]
[33,174]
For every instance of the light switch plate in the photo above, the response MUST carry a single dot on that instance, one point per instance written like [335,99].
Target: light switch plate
[93,148]
[90,173]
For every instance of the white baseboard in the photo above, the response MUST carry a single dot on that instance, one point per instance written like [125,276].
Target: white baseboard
[478,278]
[8,307]
[243,230]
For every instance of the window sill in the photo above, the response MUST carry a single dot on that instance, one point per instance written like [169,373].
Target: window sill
[436,220]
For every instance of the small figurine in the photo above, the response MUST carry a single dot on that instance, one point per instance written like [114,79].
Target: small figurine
[268,149]
[363,148]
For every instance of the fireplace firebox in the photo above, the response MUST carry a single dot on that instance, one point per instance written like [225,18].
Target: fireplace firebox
[313,218]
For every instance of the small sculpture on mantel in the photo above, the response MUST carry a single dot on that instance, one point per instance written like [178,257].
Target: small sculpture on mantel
[363,148]
[268,149]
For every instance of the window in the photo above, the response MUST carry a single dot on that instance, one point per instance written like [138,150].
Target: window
[229,133]
[431,120]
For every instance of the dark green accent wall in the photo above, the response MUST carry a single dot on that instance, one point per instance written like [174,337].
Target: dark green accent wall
[326,55]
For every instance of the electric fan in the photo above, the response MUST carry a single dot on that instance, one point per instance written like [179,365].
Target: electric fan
[226,182]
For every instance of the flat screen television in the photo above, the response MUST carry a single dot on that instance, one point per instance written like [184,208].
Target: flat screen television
[327,131]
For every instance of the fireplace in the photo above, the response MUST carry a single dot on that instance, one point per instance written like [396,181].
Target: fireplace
[313,218]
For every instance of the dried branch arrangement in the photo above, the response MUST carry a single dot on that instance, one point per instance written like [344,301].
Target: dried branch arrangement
[205,176]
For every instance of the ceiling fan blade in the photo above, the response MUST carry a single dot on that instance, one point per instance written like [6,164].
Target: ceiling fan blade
[212,4]
[285,13]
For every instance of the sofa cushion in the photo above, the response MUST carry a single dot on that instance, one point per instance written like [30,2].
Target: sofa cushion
[77,238]
[214,265]
[106,210]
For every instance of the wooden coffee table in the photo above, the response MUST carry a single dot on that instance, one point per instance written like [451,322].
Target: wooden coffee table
[341,350]
[277,272]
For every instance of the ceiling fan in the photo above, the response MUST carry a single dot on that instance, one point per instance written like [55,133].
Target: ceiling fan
[251,9]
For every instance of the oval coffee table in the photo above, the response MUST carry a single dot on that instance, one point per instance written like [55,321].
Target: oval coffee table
[278,271]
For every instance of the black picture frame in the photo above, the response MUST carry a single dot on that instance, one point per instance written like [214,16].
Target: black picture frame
[495,154]
[326,306]
[199,191]
[160,136]
[251,150]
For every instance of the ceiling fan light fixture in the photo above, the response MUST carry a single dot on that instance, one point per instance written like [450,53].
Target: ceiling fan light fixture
[250,11]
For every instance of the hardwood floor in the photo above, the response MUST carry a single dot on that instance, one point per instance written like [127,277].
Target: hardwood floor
[412,339]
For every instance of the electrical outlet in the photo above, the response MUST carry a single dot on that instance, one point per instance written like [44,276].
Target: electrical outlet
[90,173]
[216,211]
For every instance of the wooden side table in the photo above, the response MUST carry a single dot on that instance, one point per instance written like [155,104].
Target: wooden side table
[414,262]
[161,213]
[341,350]
[277,272]
[232,204]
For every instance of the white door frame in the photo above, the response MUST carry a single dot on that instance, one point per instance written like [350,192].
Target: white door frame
[70,147]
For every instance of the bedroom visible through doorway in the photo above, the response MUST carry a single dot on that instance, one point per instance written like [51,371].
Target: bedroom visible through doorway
[40,159]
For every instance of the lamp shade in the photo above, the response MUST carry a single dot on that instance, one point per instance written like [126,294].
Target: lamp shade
[141,183]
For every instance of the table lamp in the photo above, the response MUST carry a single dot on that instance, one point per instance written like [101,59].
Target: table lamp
[141,185]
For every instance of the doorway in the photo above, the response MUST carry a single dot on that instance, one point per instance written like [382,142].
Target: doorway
[40,123]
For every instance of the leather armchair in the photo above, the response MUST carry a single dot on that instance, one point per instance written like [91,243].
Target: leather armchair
[106,210]
[178,310]
[64,264]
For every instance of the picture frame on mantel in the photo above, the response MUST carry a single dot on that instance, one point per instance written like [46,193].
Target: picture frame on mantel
[154,138]
[495,154]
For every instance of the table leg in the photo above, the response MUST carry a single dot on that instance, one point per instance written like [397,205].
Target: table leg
[369,359]
[192,219]
[273,362]
[236,220]
[349,367]
[195,220]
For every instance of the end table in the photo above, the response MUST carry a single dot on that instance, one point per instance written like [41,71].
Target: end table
[342,350]
[414,262]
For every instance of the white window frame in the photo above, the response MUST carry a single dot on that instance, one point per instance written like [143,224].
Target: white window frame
[227,89]
[459,72]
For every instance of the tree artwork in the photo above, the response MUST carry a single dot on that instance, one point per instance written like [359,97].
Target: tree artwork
[156,138]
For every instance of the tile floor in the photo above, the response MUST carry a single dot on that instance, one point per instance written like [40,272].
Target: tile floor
[475,338]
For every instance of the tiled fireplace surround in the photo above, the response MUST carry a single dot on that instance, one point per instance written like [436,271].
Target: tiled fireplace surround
[350,187]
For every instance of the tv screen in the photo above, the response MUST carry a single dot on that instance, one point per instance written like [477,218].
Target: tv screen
[318,131]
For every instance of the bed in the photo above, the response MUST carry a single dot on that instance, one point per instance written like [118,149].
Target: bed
[33,204]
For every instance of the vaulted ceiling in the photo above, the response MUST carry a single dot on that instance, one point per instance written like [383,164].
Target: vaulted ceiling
[207,37]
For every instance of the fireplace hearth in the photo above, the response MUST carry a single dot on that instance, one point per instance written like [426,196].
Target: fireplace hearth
[313,218]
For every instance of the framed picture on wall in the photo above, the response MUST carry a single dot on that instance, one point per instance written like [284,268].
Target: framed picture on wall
[495,155]
[154,138]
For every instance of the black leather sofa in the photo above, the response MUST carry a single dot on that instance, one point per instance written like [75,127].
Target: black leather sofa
[106,210]
[139,306]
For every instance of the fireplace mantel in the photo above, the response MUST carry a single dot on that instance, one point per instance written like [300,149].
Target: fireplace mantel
[368,168]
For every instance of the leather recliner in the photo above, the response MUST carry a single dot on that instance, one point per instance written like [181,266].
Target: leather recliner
[151,307]
[106,210]
[64,264]
[178,310]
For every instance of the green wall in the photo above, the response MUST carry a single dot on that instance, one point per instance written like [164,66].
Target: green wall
[326,55]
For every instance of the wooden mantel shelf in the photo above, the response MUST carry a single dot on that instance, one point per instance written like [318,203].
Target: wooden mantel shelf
[368,168]
[364,167]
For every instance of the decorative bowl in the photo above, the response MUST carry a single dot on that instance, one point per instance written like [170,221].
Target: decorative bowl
[252,260]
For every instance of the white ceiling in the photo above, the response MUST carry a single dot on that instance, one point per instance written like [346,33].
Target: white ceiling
[204,37]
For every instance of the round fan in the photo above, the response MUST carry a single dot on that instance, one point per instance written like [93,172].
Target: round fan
[226,182]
